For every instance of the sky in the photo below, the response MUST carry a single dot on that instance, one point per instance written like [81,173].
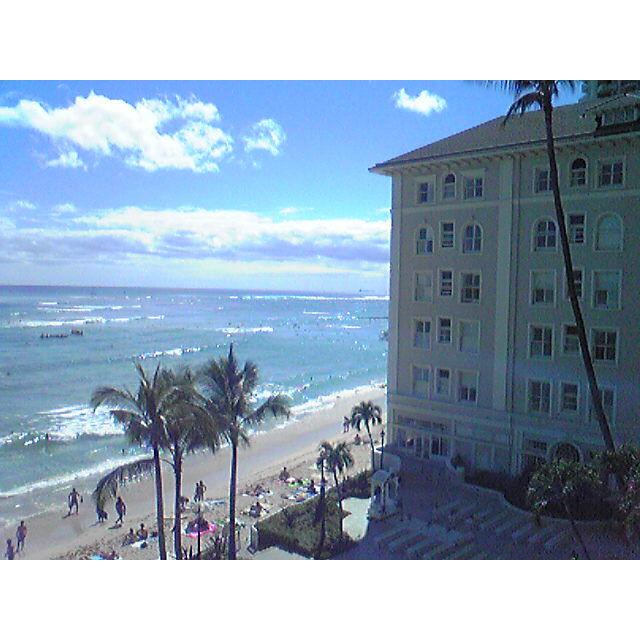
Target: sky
[220,184]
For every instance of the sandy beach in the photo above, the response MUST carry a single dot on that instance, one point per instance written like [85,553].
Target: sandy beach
[52,535]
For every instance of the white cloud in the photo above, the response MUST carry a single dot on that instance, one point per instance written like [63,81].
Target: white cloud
[21,205]
[265,135]
[65,207]
[424,103]
[68,160]
[135,132]
[289,211]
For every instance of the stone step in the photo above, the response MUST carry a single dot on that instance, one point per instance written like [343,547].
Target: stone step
[443,551]
[465,552]
[498,518]
[405,541]
[386,537]
[463,514]
[419,548]
[557,539]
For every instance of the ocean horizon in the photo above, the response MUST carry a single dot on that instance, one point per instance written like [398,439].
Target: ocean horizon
[312,346]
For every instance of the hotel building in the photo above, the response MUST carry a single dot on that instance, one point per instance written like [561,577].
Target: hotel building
[484,360]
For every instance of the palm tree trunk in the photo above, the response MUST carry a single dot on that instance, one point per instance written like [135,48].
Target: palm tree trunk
[177,508]
[596,398]
[162,546]
[232,501]
[373,459]
[323,515]
[339,492]
[576,532]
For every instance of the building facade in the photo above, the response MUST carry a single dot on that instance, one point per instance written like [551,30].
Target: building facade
[483,358]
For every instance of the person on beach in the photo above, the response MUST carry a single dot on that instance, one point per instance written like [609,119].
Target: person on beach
[203,488]
[121,510]
[130,538]
[10,553]
[101,513]
[142,534]
[73,500]
[346,424]
[284,475]
[357,440]
[21,536]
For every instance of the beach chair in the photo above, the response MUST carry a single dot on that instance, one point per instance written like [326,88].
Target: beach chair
[445,510]
[404,541]
[421,547]
[442,551]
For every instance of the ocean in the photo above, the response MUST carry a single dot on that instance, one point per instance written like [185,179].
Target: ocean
[311,347]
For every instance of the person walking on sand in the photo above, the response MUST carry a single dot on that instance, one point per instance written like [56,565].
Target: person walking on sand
[203,488]
[121,510]
[10,553]
[21,536]
[346,424]
[196,493]
[73,500]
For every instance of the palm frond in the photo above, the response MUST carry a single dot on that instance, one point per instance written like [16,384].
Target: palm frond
[108,485]
[112,397]
[277,405]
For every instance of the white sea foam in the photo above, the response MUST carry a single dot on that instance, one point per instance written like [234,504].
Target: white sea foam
[234,330]
[178,351]
[32,324]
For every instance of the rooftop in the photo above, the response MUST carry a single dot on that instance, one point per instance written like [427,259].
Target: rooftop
[571,121]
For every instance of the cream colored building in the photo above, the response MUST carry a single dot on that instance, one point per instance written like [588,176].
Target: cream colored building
[483,361]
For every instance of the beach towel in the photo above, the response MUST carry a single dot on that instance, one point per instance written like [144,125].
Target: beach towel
[212,528]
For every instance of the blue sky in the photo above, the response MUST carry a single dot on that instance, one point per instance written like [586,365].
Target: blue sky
[212,184]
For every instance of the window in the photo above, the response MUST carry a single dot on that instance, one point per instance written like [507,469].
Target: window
[472,239]
[473,187]
[578,280]
[449,187]
[467,386]
[611,174]
[444,330]
[420,381]
[606,289]
[423,290]
[424,243]
[447,235]
[443,382]
[542,181]
[539,396]
[446,283]
[470,288]
[609,233]
[544,237]
[604,344]
[576,228]
[439,446]
[578,172]
[570,342]
[425,192]
[607,396]
[618,116]
[540,342]
[422,334]
[469,341]
[543,287]
[569,397]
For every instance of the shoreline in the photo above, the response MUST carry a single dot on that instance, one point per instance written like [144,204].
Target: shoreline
[50,534]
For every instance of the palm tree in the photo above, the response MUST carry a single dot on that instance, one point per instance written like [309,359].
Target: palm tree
[321,510]
[230,391]
[189,427]
[561,484]
[368,414]
[540,94]
[108,485]
[143,416]
[337,459]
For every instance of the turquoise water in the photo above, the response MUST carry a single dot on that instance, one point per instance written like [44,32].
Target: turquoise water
[308,346]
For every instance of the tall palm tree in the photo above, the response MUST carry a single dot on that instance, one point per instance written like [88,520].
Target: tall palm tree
[368,414]
[143,416]
[562,484]
[189,427]
[531,94]
[321,510]
[337,459]
[230,393]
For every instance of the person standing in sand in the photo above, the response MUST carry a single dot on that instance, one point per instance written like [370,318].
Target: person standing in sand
[21,536]
[121,510]
[73,500]
[10,553]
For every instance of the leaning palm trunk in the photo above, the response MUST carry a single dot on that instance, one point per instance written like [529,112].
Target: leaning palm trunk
[576,531]
[159,504]
[596,398]
[373,458]
[323,515]
[177,507]
[232,500]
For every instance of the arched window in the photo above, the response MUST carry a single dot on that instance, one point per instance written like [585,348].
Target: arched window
[545,236]
[424,241]
[578,172]
[609,233]
[449,187]
[472,239]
